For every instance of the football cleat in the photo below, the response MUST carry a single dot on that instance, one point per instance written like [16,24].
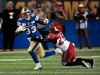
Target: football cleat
[38,66]
[85,64]
[91,63]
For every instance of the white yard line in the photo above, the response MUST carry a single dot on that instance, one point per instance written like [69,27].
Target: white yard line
[89,56]
[29,63]
[44,58]
[48,72]
[14,52]
[15,59]
[25,51]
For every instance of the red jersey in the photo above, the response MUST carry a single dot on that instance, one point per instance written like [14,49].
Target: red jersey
[60,40]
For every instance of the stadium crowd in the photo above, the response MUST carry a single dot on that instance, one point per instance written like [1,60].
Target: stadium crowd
[56,10]
[66,9]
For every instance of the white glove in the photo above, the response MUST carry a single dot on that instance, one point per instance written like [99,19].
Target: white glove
[58,51]
[46,21]
[20,28]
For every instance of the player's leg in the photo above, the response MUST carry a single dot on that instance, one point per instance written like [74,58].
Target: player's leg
[76,62]
[40,50]
[57,51]
[81,62]
[84,62]
[49,53]
[34,56]
[42,53]
[89,60]
[36,60]
[69,58]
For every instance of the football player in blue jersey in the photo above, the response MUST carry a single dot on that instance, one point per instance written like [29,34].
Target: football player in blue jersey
[27,23]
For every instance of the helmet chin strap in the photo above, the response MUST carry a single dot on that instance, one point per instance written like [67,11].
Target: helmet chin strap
[55,28]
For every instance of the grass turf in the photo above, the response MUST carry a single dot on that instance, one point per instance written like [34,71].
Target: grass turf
[20,63]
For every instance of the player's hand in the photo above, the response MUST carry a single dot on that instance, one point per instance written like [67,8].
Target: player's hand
[20,29]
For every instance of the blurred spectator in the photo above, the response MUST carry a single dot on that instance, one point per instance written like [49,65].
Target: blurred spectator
[81,19]
[9,16]
[33,3]
[94,12]
[40,13]
[20,5]
[47,7]
[42,24]
[32,6]
[1,6]
[74,8]
[39,2]
[67,6]
[58,12]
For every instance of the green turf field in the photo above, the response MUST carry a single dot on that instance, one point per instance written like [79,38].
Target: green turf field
[20,63]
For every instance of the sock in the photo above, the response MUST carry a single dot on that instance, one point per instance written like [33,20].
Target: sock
[49,53]
[34,57]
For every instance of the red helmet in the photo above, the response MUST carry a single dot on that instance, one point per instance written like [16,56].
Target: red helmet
[56,26]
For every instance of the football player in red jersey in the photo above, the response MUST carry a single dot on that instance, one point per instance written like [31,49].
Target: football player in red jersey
[67,50]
